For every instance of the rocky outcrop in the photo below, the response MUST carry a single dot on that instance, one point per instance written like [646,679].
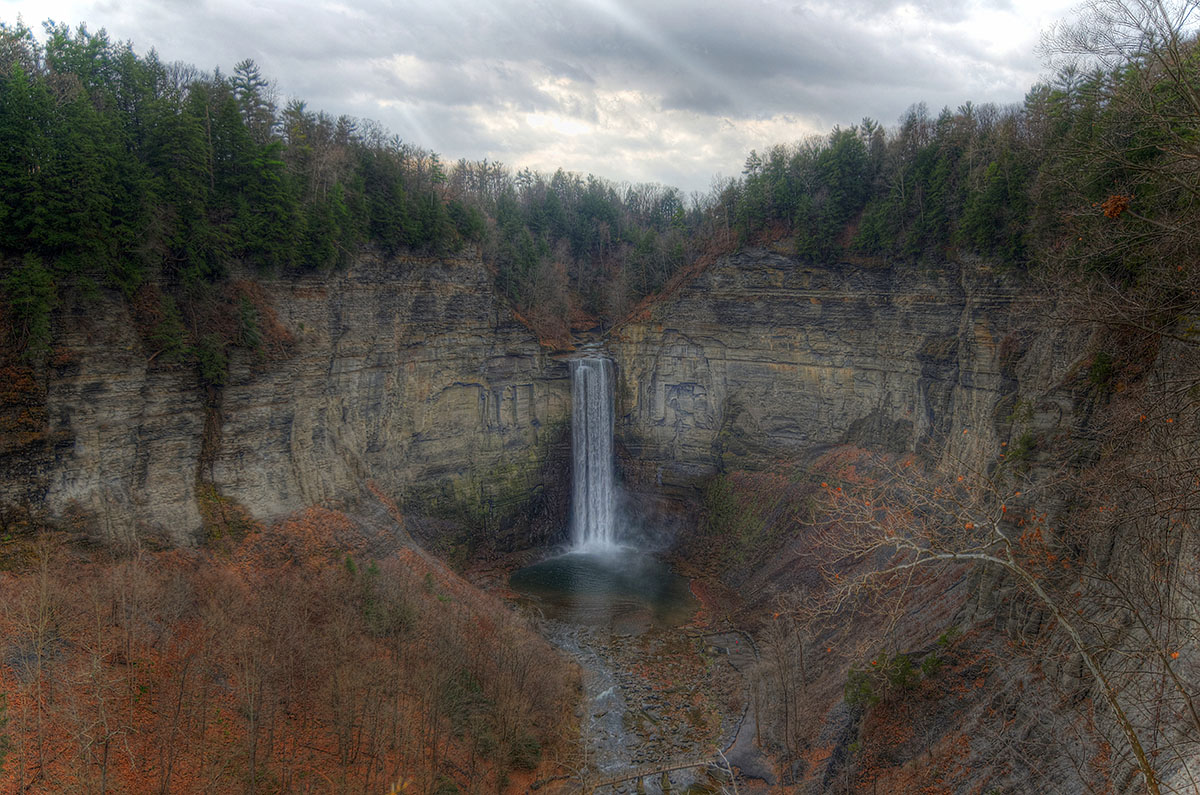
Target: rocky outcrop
[763,357]
[407,373]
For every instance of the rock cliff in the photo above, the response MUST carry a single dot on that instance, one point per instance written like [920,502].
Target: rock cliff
[763,357]
[410,373]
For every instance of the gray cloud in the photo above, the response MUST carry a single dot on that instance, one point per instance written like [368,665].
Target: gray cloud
[673,90]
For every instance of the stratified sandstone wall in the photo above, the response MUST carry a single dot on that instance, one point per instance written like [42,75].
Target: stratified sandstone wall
[412,374]
[407,372]
[121,437]
[763,357]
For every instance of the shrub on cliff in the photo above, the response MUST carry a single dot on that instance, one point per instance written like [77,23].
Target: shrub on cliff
[32,296]
[885,676]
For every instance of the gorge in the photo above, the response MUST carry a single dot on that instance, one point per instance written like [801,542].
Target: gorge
[760,358]
[327,465]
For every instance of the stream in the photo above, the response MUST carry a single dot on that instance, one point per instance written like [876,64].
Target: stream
[657,689]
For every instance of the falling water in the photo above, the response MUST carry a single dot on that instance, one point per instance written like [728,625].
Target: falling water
[593,504]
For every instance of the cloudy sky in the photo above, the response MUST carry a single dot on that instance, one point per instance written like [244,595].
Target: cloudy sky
[673,91]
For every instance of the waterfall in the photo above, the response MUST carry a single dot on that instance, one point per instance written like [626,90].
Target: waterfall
[593,497]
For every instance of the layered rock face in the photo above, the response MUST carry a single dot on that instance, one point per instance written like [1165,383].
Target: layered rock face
[118,448]
[762,357]
[409,374]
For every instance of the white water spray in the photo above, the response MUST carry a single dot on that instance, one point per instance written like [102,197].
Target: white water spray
[593,498]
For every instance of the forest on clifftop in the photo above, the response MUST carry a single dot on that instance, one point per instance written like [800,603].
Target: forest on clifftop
[156,179]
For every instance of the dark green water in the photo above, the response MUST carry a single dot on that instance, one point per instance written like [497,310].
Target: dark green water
[624,590]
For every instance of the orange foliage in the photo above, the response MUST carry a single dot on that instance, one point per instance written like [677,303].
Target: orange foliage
[578,319]
[1115,204]
[553,336]
[292,663]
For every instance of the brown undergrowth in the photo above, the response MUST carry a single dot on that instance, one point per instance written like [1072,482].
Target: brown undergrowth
[287,660]
[931,687]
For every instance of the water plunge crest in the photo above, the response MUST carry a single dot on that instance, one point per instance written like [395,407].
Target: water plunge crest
[593,498]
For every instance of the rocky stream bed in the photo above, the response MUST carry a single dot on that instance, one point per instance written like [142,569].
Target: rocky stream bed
[656,698]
